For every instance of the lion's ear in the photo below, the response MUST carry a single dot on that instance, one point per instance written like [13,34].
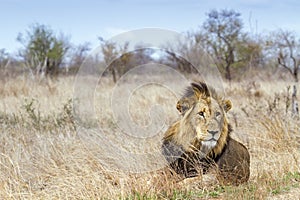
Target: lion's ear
[227,105]
[182,106]
[179,107]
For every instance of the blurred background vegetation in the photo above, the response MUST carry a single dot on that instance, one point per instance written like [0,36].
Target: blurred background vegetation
[236,53]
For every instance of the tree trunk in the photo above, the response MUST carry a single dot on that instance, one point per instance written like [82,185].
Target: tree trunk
[113,71]
[296,75]
[228,73]
[287,100]
[295,108]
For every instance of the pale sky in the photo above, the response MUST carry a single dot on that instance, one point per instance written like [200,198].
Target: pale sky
[85,20]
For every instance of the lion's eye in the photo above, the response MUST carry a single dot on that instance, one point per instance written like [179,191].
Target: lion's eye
[201,113]
[218,114]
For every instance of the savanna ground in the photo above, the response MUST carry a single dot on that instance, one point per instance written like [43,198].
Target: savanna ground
[44,155]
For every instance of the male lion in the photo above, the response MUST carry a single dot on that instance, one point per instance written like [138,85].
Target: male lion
[201,138]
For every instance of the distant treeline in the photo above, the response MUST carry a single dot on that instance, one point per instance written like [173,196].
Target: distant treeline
[221,38]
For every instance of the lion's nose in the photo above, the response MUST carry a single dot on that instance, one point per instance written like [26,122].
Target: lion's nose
[212,132]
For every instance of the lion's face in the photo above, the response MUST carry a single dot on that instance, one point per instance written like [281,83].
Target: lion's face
[207,115]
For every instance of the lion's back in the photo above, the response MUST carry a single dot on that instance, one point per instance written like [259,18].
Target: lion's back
[234,163]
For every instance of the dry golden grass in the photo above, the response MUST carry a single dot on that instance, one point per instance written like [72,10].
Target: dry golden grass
[43,154]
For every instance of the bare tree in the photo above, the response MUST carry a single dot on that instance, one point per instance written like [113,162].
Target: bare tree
[288,47]
[187,54]
[223,31]
[114,56]
[78,55]
[232,49]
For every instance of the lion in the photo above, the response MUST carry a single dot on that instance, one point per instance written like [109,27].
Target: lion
[201,138]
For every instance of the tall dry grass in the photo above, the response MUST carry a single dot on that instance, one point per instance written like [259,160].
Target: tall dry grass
[43,154]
